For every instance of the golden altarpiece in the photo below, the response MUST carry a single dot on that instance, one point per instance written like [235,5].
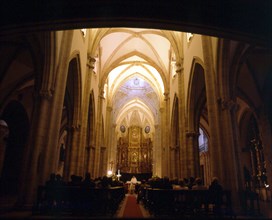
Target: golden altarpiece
[134,152]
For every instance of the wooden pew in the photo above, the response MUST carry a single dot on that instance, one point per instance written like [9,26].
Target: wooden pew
[179,203]
[78,200]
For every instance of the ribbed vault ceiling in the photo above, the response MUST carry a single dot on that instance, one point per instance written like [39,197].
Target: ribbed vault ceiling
[137,62]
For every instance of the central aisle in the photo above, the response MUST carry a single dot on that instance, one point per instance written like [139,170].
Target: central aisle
[130,208]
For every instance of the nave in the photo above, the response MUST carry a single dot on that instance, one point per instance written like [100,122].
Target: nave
[170,102]
[140,202]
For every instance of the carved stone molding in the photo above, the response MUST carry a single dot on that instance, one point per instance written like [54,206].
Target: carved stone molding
[109,108]
[166,96]
[227,104]
[179,68]
[73,128]
[45,93]
[101,93]
[90,61]
[192,134]
[174,148]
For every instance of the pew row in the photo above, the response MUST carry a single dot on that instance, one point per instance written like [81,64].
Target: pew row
[78,200]
[182,203]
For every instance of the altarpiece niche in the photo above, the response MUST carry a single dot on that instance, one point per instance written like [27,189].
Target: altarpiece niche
[134,152]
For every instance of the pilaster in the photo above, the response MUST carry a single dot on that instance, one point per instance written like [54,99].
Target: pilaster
[215,146]
[98,132]
[192,153]
[83,149]
[166,141]
[181,123]
[55,110]
[157,155]
[109,142]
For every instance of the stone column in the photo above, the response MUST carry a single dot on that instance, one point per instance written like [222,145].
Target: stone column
[74,151]
[181,123]
[32,167]
[166,126]
[232,179]
[50,148]
[108,136]
[85,115]
[215,145]
[192,153]
[157,152]
[110,139]
[172,162]
[164,147]
[40,152]
[98,137]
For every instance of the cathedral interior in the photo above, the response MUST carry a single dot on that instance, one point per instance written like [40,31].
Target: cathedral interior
[121,89]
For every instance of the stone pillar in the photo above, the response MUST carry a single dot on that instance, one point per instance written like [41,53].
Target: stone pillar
[41,151]
[74,151]
[53,116]
[172,163]
[33,159]
[157,152]
[232,179]
[181,123]
[166,126]
[164,147]
[85,116]
[215,145]
[98,137]
[193,168]
[108,136]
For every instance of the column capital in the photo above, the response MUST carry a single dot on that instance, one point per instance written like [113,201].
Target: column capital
[90,61]
[227,104]
[162,109]
[192,134]
[166,96]
[109,108]
[101,93]
[73,128]
[179,67]
[45,93]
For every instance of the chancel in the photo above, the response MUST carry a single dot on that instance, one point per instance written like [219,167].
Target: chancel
[120,109]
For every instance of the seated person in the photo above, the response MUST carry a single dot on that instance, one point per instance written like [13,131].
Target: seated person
[199,185]
[181,185]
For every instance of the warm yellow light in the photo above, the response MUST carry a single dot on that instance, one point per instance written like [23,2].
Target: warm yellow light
[109,172]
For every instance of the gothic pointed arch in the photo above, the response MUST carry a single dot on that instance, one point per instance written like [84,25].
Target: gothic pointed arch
[198,120]
[196,96]
[175,140]
[255,66]
[252,154]
[72,108]
[90,136]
